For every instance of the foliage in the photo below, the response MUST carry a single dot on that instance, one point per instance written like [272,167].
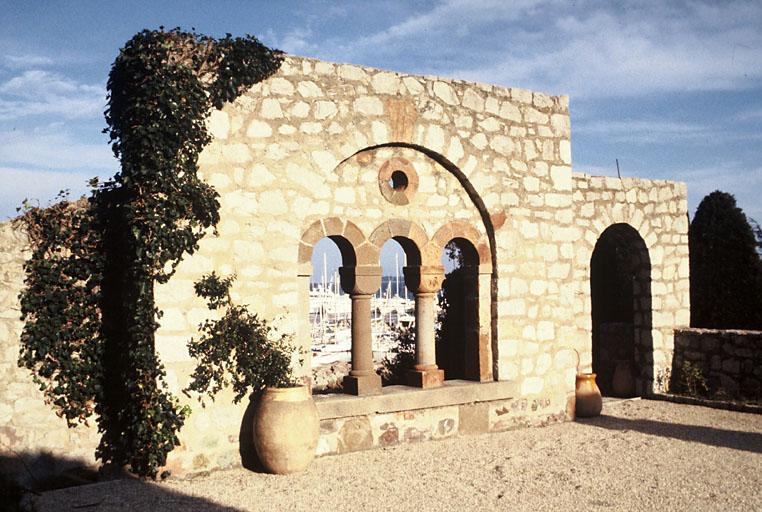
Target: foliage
[60,340]
[692,379]
[450,323]
[239,349]
[726,273]
[449,327]
[402,358]
[88,304]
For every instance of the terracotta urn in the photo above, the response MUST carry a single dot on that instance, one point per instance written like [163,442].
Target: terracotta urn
[623,381]
[588,397]
[286,429]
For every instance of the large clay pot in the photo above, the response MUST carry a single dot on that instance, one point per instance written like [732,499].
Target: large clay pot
[623,382]
[286,429]
[588,396]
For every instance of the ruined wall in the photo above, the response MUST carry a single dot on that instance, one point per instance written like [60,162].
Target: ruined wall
[657,211]
[29,430]
[299,156]
[304,154]
[729,361]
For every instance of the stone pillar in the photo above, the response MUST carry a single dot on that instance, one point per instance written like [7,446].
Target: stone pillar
[361,283]
[424,282]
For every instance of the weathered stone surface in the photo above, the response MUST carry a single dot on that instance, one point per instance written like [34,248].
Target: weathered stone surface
[727,361]
[307,145]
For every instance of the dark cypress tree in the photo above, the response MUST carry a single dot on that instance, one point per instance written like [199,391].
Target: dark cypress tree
[726,272]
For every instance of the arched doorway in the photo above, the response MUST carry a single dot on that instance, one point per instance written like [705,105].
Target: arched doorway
[620,286]
[458,326]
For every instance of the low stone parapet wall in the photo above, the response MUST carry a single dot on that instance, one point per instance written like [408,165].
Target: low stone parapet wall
[405,415]
[729,362]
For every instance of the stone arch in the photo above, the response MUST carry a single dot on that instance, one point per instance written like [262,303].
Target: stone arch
[429,253]
[408,234]
[347,236]
[352,244]
[460,229]
[474,346]
[621,311]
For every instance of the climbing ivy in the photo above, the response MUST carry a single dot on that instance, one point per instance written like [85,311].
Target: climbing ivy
[88,305]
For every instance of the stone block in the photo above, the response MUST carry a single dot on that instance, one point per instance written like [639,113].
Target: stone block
[355,435]
[425,378]
[473,418]
[362,385]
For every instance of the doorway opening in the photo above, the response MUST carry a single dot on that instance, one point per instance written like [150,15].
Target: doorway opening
[620,286]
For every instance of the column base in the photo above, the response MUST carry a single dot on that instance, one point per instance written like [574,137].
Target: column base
[362,385]
[432,378]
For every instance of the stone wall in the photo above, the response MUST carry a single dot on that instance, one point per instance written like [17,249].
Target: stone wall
[33,440]
[655,212]
[308,153]
[729,361]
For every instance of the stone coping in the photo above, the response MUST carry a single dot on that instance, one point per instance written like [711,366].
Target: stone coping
[737,406]
[406,398]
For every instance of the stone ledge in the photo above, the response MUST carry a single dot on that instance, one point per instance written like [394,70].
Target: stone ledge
[406,398]
[705,402]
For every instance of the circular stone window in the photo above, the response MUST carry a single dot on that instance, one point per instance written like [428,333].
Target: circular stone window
[397,180]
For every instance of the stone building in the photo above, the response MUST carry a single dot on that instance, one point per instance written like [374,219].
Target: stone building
[565,269]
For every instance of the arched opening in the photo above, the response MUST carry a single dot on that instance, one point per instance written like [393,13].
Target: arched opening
[620,286]
[394,311]
[489,288]
[330,313]
[458,322]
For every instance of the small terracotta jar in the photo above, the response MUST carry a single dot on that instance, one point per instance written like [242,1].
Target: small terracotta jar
[588,396]
[623,382]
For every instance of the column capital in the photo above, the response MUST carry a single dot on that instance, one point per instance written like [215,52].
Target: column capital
[360,280]
[424,278]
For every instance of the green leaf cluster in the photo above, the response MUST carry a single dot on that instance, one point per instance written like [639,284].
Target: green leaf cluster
[239,350]
[88,305]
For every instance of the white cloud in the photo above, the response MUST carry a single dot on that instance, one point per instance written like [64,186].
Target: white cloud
[645,131]
[38,92]
[585,49]
[40,187]
[26,61]
[633,52]
[53,147]
[295,41]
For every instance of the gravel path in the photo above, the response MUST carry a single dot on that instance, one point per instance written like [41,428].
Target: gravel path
[639,455]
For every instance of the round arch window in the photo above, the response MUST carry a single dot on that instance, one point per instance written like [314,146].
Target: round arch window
[397,180]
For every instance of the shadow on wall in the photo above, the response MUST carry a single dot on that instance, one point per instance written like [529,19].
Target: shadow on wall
[249,457]
[720,364]
[721,438]
[24,477]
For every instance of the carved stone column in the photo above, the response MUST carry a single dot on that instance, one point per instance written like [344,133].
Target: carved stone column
[361,283]
[425,282]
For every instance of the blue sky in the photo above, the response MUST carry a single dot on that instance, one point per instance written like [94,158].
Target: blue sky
[671,89]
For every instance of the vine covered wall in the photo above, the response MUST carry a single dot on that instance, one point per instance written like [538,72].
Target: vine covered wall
[304,147]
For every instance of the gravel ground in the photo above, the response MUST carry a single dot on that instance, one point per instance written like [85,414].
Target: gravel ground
[639,455]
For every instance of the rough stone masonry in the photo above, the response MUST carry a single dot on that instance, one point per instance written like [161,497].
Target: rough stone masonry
[363,156]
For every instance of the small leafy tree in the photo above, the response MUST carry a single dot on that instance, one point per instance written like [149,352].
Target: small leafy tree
[239,349]
[401,357]
[726,274]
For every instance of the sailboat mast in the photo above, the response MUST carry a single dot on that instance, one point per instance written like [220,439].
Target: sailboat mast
[397,271]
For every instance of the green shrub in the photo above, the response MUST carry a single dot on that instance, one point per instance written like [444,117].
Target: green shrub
[239,349]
